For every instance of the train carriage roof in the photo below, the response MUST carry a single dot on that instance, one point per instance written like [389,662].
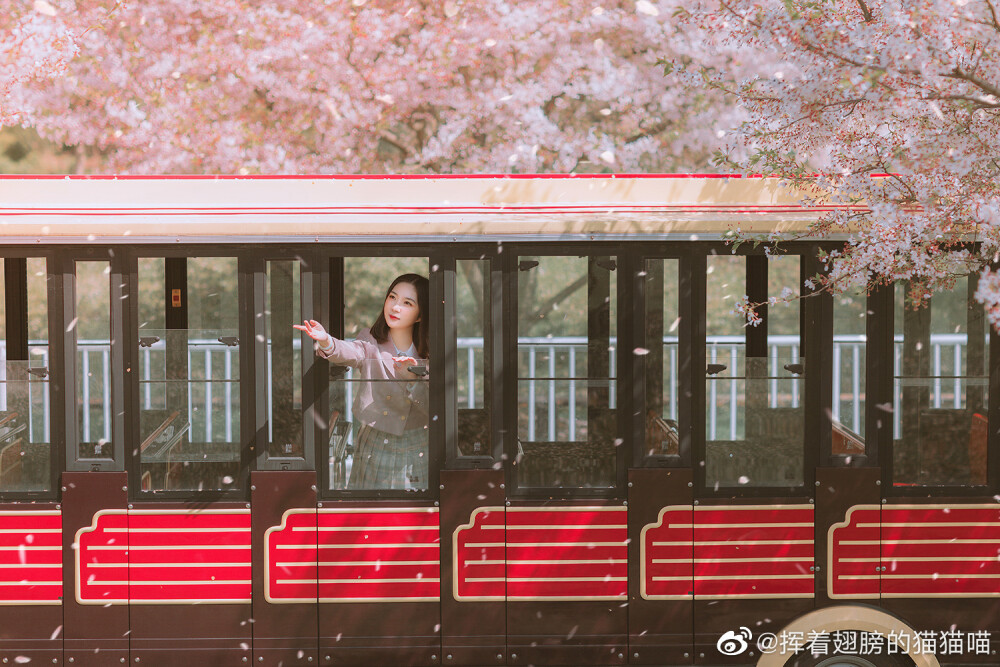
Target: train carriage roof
[282,209]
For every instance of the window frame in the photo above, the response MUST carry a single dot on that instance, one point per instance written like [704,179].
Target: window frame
[882,308]
[308,260]
[329,308]
[119,289]
[623,364]
[815,311]
[241,252]
[54,286]
[686,333]
[493,355]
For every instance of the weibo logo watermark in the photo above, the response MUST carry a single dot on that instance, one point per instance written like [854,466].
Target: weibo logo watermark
[733,642]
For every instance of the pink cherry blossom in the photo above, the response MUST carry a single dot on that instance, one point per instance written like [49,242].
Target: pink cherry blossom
[896,105]
[35,44]
[275,86]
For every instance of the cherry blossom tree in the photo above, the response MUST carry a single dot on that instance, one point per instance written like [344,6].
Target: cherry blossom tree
[35,45]
[895,105]
[275,86]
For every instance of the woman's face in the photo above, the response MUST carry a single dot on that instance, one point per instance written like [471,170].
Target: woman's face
[401,309]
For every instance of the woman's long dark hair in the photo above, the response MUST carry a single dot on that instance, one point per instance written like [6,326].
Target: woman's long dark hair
[380,330]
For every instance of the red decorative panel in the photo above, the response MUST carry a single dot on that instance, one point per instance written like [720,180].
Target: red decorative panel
[853,555]
[31,557]
[165,557]
[729,551]
[102,559]
[359,555]
[754,551]
[479,560]
[290,558]
[940,550]
[566,553]
[667,555]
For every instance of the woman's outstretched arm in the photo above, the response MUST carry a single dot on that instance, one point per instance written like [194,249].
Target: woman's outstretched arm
[336,350]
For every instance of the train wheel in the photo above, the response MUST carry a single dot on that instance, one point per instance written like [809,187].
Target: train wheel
[851,648]
[851,661]
[836,658]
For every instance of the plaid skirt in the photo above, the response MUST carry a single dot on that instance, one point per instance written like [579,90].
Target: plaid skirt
[386,461]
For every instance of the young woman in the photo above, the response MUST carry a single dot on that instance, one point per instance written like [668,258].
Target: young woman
[390,403]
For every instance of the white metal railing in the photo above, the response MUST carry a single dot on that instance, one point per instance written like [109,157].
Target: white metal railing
[548,350]
[204,356]
[546,357]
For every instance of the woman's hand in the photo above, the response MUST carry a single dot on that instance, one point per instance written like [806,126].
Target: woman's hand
[315,331]
[403,365]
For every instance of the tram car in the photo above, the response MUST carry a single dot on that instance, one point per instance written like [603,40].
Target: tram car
[595,461]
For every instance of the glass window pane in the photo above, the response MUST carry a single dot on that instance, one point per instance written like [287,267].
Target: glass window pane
[189,392]
[25,442]
[3,307]
[472,323]
[284,360]
[849,359]
[379,406]
[782,417]
[92,330]
[566,341]
[940,388]
[726,352]
[662,383]
[755,375]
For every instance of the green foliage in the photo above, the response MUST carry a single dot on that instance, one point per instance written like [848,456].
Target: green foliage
[22,151]
[793,11]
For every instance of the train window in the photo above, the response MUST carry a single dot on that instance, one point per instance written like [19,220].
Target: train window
[282,362]
[25,440]
[755,375]
[473,373]
[566,380]
[940,388]
[378,425]
[849,363]
[92,331]
[189,373]
[662,322]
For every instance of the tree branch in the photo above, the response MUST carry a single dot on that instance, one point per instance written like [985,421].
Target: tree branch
[547,307]
[982,84]
[993,15]
[865,11]
[980,102]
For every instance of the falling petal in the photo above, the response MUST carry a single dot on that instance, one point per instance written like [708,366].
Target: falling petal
[647,8]
[43,7]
